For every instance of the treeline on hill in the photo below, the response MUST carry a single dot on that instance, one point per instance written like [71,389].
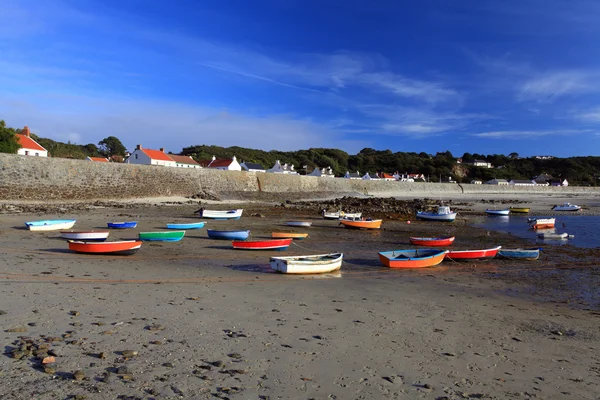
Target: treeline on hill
[441,166]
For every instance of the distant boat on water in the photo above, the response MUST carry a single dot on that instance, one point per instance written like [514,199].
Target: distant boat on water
[443,213]
[497,212]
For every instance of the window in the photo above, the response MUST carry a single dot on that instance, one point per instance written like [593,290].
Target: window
[37,154]
[136,156]
[26,152]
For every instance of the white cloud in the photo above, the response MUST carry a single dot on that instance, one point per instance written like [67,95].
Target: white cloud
[547,87]
[590,116]
[517,134]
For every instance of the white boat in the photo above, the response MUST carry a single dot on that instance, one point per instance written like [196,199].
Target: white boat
[299,223]
[230,214]
[340,215]
[317,264]
[567,207]
[85,236]
[50,225]
[553,236]
[541,223]
[443,213]
[497,212]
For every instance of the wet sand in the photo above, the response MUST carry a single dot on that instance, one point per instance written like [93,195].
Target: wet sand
[196,319]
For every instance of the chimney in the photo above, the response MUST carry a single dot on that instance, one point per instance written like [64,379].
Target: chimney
[214,158]
[234,159]
[138,147]
[26,131]
[162,149]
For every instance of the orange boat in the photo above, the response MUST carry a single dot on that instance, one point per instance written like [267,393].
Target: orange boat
[419,258]
[541,223]
[361,223]
[289,235]
[125,247]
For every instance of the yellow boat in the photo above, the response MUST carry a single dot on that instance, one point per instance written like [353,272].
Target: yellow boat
[519,209]
[288,235]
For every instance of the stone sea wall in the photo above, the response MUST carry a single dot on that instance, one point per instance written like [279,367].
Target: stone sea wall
[38,178]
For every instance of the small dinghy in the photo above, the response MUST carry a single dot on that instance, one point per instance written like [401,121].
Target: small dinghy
[228,235]
[553,236]
[85,236]
[520,210]
[289,235]
[122,248]
[361,223]
[162,236]
[317,264]
[567,207]
[460,255]
[193,225]
[122,225]
[304,224]
[541,223]
[497,212]
[50,225]
[418,258]
[519,254]
[214,214]
[340,215]
[432,242]
[443,213]
[272,244]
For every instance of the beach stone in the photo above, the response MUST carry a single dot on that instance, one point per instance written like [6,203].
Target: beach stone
[157,342]
[129,353]
[102,355]
[74,313]
[218,363]
[168,365]
[16,329]
[79,375]
[155,327]
[127,377]
[235,355]
[2,312]
[123,369]
[49,369]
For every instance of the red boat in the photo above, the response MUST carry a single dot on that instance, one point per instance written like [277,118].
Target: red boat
[122,248]
[270,244]
[432,242]
[460,255]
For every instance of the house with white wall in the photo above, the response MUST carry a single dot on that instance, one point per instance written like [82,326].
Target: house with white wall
[224,164]
[497,182]
[150,157]
[522,182]
[184,161]
[282,169]
[352,175]
[322,172]
[252,167]
[29,147]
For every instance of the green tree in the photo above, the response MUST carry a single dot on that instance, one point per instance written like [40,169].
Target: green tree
[111,146]
[8,139]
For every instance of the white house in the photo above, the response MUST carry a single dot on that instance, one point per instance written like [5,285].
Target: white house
[522,182]
[282,169]
[368,177]
[184,161]
[497,182]
[150,157]
[29,147]
[224,164]
[476,182]
[322,172]
[352,175]
[252,167]
[481,163]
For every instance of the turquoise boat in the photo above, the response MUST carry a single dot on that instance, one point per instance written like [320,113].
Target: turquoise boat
[519,254]
[193,225]
[164,236]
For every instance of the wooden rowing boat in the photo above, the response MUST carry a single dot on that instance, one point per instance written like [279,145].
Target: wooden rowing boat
[432,242]
[271,244]
[314,264]
[162,236]
[519,254]
[553,236]
[519,209]
[361,224]
[541,223]
[417,258]
[85,236]
[221,215]
[460,255]
[193,225]
[50,225]
[124,247]
[304,224]
[228,235]
[122,225]
[286,235]
[340,215]
[497,212]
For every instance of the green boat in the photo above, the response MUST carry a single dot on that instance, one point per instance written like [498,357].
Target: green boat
[166,236]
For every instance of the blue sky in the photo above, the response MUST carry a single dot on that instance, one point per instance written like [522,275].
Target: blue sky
[434,75]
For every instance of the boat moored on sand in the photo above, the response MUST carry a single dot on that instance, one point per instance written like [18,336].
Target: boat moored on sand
[519,254]
[443,213]
[214,214]
[566,207]
[228,235]
[463,255]
[340,215]
[432,242]
[361,223]
[50,225]
[418,258]
[85,236]
[519,210]
[122,248]
[162,236]
[193,225]
[314,264]
[289,235]
[497,212]
[122,225]
[267,244]
[304,224]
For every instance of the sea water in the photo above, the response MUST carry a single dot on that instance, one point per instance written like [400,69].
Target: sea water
[585,228]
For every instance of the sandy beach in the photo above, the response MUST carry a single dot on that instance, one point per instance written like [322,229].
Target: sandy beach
[196,319]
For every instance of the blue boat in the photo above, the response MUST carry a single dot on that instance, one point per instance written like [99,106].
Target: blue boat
[228,235]
[122,225]
[519,254]
[193,225]
[50,225]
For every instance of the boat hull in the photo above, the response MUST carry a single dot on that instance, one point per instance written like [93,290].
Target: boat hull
[497,212]
[553,236]
[522,210]
[122,225]
[169,236]
[228,235]
[519,254]
[419,258]
[436,217]
[542,223]
[459,255]
[432,242]
[222,215]
[340,215]
[123,248]
[50,225]
[317,264]
[274,244]
[571,207]
[284,235]
[194,225]
[374,224]
[85,236]
[304,224]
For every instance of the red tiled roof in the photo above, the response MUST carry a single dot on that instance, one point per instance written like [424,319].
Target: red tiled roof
[183,159]
[28,143]
[98,159]
[157,155]
[387,176]
[220,163]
